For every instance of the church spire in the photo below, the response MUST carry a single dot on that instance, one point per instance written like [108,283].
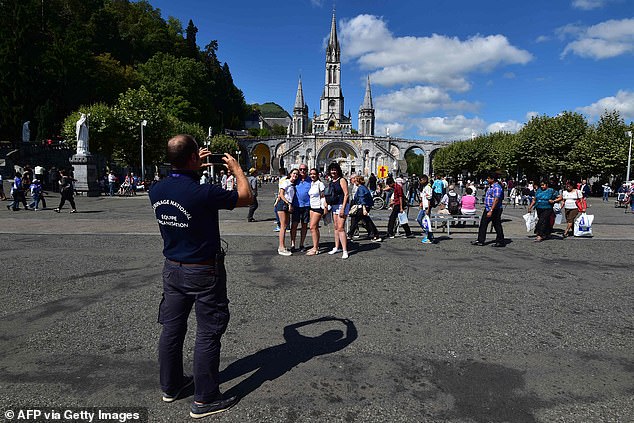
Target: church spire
[333,50]
[367,100]
[299,98]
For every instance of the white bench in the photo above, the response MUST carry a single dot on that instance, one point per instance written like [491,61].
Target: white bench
[448,219]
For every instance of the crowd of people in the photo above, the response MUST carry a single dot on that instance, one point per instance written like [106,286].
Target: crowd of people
[30,184]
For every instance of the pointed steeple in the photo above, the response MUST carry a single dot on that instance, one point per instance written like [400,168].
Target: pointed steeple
[299,98]
[333,31]
[367,100]
[333,49]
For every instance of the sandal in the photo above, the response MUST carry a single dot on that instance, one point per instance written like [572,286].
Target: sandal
[312,252]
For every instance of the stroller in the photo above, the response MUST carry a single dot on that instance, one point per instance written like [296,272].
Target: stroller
[622,200]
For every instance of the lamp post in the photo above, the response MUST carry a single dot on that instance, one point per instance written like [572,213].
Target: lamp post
[143,123]
[255,161]
[238,156]
[629,158]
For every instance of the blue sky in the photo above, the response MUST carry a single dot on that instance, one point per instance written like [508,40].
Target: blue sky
[440,70]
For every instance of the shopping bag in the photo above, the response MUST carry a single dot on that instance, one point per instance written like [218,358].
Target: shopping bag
[402,218]
[583,225]
[559,216]
[427,224]
[531,221]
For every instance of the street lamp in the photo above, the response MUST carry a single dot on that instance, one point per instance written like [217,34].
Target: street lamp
[238,156]
[629,158]
[143,123]
[255,161]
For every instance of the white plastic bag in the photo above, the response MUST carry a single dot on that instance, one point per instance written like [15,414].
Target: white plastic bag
[583,225]
[427,224]
[402,218]
[531,221]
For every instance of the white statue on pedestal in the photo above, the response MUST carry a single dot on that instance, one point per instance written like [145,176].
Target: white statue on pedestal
[81,129]
[26,131]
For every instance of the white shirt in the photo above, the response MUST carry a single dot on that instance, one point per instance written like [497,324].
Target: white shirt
[315,191]
[289,189]
[231,183]
[570,198]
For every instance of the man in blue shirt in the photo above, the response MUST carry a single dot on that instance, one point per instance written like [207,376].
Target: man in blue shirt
[492,213]
[193,273]
[301,207]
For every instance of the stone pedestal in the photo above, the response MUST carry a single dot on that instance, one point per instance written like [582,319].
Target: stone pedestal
[85,172]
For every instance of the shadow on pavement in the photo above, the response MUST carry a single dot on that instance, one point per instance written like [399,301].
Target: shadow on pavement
[274,361]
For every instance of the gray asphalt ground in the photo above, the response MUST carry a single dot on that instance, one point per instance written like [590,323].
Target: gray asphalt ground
[533,332]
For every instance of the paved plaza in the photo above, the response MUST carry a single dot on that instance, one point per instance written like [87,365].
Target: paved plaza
[399,332]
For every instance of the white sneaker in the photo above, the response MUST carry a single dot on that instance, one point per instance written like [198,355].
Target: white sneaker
[344,255]
[284,252]
[334,251]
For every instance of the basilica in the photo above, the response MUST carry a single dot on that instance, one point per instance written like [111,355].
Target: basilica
[331,136]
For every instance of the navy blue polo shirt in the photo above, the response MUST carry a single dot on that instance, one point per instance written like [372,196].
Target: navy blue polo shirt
[187,215]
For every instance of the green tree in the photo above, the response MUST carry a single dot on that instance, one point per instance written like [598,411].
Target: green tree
[223,144]
[606,147]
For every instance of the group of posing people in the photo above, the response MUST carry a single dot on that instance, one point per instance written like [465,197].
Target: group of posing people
[303,200]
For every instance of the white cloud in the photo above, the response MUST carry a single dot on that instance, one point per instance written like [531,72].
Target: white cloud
[509,75]
[589,4]
[437,59]
[317,3]
[508,126]
[605,40]
[417,100]
[531,115]
[542,39]
[623,102]
[449,128]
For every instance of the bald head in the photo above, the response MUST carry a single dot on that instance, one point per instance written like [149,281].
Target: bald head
[180,150]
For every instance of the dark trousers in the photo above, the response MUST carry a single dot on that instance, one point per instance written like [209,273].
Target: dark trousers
[496,219]
[67,197]
[253,207]
[543,227]
[391,224]
[367,221]
[183,287]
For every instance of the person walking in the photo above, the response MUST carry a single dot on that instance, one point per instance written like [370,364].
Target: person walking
[492,213]
[425,194]
[363,201]
[545,198]
[253,183]
[570,196]
[399,205]
[67,192]
[606,192]
[194,273]
[17,192]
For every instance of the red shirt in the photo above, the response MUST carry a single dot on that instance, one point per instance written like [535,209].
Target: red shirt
[398,194]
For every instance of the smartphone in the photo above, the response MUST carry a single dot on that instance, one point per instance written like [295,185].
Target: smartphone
[216,158]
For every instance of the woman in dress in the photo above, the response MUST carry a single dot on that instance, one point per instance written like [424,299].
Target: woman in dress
[284,208]
[339,208]
[316,195]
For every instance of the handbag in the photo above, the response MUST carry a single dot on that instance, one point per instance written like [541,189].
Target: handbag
[354,209]
[582,205]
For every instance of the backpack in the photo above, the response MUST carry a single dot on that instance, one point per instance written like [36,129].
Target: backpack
[330,195]
[453,205]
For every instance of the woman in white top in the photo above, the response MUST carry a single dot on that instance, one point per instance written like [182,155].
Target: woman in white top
[316,195]
[570,196]
[284,207]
